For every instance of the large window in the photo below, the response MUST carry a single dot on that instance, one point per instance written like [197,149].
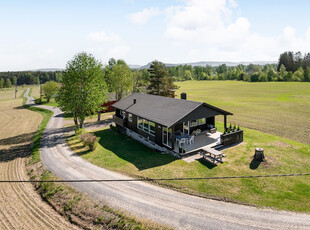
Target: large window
[152,128]
[193,123]
[202,121]
[140,123]
[146,126]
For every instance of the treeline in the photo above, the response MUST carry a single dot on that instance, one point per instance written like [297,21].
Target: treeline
[291,67]
[28,77]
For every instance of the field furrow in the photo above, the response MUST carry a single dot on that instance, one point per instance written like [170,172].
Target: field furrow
[20,206]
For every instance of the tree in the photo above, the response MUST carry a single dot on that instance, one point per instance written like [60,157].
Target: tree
[49,89]
[14,80]
[83,89]
[119,78]
[37,81]
[160,81]
[8,83]
[307,74]
[138,81]
[1,83]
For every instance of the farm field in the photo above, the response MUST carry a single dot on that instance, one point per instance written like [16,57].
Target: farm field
[280,108]
[20,206]
[9,93]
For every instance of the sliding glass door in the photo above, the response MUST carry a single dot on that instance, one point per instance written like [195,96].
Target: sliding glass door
[167,137]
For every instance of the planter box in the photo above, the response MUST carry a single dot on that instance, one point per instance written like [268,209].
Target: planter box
[232,138]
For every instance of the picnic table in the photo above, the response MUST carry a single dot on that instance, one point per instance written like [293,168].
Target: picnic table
[212,155]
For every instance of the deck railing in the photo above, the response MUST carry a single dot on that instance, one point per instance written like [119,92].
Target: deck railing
[118,121]
[232,137]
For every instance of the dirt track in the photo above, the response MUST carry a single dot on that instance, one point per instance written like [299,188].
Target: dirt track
[20,206]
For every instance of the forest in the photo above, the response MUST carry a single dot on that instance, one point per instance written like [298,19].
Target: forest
[291,66]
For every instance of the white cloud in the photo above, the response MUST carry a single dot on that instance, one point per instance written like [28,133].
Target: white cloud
[142,17]
[211,26]
[103,37]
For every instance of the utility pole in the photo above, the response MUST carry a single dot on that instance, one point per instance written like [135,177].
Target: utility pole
[15,90]
[40,91]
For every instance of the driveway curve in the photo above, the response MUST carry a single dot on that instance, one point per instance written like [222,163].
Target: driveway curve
[151,202]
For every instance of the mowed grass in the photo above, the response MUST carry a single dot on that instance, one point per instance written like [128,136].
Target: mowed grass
[280,108]
[120,153]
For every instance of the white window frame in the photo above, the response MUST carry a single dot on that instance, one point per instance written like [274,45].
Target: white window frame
[130,117]
[148,128]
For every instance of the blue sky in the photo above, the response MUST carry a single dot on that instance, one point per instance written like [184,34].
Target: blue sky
[46,34]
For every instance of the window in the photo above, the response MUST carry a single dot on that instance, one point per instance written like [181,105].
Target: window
[123,114]
[130,117]
[152,128]
[193,123]
[140,123]
[146,126]
[202,121]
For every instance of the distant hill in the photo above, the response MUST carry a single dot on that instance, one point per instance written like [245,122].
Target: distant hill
[46,70]
[213,63]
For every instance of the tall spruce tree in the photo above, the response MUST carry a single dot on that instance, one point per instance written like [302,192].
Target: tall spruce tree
[160,81]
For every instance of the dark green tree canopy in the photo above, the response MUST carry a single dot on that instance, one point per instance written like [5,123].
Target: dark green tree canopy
[160,81]
[83,88]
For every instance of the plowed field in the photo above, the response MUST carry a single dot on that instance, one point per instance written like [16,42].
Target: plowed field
[20,206]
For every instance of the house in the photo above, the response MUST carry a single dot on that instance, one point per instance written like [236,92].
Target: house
[159,120]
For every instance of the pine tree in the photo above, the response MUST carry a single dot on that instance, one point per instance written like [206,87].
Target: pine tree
[160,81]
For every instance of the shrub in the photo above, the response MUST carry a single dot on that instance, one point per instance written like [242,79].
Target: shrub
[78,131]
[89,140]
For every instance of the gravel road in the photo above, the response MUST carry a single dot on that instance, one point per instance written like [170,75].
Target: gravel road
[21,207]
[155,203]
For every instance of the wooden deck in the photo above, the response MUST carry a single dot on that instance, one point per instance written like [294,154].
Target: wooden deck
[202,140]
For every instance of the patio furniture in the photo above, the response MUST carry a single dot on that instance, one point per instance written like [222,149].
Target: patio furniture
[196,132]
[211,128]
[182,141]
[211,155]
[191,140]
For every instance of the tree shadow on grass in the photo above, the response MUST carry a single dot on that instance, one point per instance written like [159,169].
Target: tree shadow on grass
[254,164]
[14,152]
[132,151]
[206,163]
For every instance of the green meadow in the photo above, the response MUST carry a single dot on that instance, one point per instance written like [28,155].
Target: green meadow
[280,108]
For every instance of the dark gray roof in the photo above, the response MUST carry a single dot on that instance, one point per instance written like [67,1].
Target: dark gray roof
[166,111]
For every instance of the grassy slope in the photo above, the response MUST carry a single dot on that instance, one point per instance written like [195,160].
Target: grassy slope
[280,108]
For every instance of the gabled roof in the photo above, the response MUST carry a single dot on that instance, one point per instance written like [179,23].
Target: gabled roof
[166,111]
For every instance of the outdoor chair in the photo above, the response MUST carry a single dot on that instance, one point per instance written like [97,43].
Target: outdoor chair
[191,140]
[182,141]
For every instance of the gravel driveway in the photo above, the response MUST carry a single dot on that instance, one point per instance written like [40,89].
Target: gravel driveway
[155,203]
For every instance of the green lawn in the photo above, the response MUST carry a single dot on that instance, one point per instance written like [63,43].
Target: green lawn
[280,108]
[277,108]
[122,154]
